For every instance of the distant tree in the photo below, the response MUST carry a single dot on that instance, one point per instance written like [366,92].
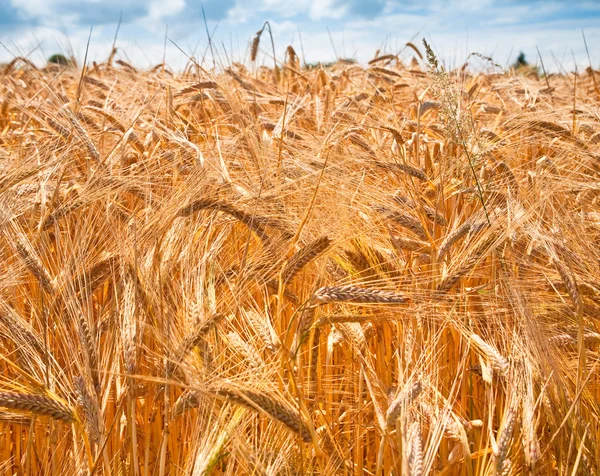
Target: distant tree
[521,61]
[58,59]
[522,65]
[329,64]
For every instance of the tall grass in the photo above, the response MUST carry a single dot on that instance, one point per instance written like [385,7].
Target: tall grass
[381,270]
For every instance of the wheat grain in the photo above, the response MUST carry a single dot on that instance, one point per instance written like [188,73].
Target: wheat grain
[90,409]
[127,66]
[242,347]
[382,58]
[253,222]
[276,409]
[415,455]
[404,168]
[305,322]
[188,400]
[193,339]
[304,256]
[37,404]
[448,282]
[356,294]
[452,238]
[129,326]
[83,136]
[591,339]
[385,71]
[264,330]
[30,257]
[95,82]
[198,87]
[505,438]
[407,221]
[498,362]
[255,44]
[430,212]
[410,244]
[569,282]
[429,106]
[88,342]
[19,330]
[402,399]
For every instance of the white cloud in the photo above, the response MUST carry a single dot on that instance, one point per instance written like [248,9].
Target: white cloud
[455,30]
[34,8]
[159,13]
[159,9]
[314,9]
[326,9]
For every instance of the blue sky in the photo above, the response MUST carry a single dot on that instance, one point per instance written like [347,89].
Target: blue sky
[328,28]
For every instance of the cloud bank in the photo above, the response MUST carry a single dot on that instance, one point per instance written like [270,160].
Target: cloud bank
[322,29]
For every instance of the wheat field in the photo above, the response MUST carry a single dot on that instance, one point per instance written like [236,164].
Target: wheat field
[390,268]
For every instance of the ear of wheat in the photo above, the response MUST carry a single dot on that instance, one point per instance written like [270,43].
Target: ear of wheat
[304,256]
[357,295]
[273,407]
[38,404]
[404,398]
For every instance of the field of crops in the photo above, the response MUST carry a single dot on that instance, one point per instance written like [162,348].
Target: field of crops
[390,268]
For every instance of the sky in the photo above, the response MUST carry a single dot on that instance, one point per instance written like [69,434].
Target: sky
[319,30]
